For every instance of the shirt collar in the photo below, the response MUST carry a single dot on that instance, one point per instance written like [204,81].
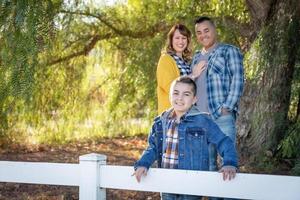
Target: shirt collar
[172,115]
[211,49]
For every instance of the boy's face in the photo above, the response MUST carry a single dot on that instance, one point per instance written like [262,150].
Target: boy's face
[182,98]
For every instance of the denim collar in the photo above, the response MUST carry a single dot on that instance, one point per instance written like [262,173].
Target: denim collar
[191,112]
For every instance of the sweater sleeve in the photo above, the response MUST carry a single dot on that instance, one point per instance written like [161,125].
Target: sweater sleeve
[166,72]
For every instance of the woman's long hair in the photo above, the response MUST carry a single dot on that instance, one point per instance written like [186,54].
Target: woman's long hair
[187,53]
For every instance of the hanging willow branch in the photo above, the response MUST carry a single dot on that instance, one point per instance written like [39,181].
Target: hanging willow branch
[112,32]
[85,50]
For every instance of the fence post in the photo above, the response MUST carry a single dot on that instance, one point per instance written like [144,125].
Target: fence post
[89,188]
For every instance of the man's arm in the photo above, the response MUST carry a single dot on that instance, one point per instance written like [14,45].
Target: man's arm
[235,65]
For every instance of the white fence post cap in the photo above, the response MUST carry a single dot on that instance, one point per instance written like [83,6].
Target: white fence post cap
[92,157]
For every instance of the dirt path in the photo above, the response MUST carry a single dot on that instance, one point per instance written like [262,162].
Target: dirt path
[121,151]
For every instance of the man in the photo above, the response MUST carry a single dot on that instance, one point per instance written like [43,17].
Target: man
[219,73]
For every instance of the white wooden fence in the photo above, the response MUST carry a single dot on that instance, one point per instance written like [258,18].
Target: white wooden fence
[92,175]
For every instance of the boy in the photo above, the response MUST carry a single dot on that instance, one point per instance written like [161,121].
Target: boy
[180,136]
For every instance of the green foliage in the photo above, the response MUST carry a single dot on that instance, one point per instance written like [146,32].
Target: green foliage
[296,168]
[72,63]
[290,146]
[24,29]
[137,58]
[295,95]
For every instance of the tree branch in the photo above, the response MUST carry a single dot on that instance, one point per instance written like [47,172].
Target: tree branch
[259,11]
[158,27]
[88,14]
[86,49]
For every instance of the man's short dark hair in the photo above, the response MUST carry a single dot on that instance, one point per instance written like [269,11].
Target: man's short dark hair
[187,80]
[204,18]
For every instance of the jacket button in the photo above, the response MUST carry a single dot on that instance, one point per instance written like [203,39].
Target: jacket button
[196,134]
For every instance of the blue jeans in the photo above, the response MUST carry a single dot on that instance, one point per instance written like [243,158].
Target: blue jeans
[227,124]
[167,196]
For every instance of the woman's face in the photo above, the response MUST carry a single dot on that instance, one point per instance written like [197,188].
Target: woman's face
[179,42]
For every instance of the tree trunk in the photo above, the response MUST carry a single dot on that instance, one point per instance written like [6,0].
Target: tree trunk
[271,62]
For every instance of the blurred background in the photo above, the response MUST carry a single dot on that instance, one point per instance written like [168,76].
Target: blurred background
[84,70]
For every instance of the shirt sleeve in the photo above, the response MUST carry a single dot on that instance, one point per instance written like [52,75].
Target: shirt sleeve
[235,66]
[150,154]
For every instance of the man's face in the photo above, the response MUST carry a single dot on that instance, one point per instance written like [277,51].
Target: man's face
[206,34]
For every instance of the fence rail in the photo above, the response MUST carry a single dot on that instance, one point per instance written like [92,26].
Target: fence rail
[39,173]
[93,176]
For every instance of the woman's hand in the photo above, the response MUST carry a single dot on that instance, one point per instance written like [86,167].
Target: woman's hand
[198,69]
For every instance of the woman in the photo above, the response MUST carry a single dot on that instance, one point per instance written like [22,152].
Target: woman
[173,62]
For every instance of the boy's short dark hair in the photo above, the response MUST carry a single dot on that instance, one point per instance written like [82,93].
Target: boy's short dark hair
[186,80]
[202,19]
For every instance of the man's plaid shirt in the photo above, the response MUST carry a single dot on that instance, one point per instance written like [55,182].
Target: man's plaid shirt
[225,78]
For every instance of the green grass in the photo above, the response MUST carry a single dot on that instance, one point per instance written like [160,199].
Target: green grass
[64,128]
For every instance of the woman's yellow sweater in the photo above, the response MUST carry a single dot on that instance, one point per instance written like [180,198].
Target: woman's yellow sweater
[166,72]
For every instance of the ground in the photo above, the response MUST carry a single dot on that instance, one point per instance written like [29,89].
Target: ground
[119,151]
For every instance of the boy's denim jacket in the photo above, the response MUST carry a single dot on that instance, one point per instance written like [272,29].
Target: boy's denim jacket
[195,131]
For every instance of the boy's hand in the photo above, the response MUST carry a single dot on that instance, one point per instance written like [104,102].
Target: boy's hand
[139,172]
[228,172]
[198,69]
